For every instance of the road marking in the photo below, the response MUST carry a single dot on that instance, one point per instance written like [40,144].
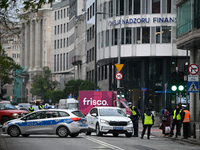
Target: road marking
[103,143]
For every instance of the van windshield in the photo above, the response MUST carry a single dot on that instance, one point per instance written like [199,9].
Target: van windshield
[73,106]
[112,112]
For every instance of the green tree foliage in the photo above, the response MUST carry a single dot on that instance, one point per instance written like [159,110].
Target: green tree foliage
[43,83]
[7,68]
[74,86]
[55,96]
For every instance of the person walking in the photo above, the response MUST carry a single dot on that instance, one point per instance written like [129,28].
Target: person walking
[31,109]
[166,121]
[185,119]
[176,121]
[134,117]
[147,121]
[41,106]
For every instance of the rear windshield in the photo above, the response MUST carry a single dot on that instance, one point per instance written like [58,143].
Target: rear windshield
[78,114]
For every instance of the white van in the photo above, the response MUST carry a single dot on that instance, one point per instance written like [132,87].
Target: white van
[69,103]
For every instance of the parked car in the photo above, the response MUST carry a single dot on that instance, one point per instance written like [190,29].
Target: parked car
[8,112]
[47,121]
[24,105]
[105,120]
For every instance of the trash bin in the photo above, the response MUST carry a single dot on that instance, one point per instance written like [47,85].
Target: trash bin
[156,119]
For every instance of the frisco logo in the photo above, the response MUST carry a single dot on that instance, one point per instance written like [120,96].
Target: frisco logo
[94,102]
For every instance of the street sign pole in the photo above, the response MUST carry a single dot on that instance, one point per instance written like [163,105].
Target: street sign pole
[165,94]
[143,103]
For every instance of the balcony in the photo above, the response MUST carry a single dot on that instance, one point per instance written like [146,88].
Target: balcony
[76,60]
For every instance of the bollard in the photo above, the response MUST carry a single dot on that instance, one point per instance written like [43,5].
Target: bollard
[194,131]
[189,129]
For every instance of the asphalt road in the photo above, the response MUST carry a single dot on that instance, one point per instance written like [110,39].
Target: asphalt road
[93,142]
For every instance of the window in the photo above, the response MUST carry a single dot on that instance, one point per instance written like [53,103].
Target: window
[92,76]
[92,53]
[60,62]
[51,114]
[136,6]
[54,62]
[128,35]
[55,30]
[64,42]
[37,115]
[67,27]
[64,27]
[104,10]
[63,114]
[54,44]
[117,7]
[58,44]
[155,6]
[63,61]
[102,39]
[67,61]
[64,13]
[90,57]
[110,8]
[169,5]
[88,14]
[138,35]
[58,29]
[115,36]
[55,15]
[99,73]
[18,55]
[61,28]
[106,71]
[102,72]
[130,7]
[67,42]
[67,12]
[166,34]
[122,36]
[88,60]
[157,34]
[57,62]
[148,3]
[121,7]
[58,14]
[88,35]
[93,9]
[107,38]
[61,13]
[145,35]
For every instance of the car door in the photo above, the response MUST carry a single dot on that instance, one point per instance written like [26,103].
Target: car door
[33,123]
[89,118]
[94,118]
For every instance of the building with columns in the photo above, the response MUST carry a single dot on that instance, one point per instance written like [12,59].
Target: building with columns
[36,46]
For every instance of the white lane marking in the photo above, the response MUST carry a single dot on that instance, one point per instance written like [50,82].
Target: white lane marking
[103,143]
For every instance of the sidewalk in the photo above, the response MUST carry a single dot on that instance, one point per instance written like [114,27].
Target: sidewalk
[2,142]
[155,131]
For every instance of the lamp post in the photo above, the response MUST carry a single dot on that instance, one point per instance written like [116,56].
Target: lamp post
[119,42]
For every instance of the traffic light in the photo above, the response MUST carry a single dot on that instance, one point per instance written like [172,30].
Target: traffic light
[118,93]
[174,81]
[122,93]
[181,85]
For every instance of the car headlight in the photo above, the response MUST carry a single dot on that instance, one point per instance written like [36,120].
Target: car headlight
[15,115]
[130,122]
[104,121]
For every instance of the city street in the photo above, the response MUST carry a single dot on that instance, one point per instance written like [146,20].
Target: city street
[93,142]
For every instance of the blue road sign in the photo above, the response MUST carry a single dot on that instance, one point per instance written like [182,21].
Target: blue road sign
[97,90]
[143,89]
[167,91]
[193,87]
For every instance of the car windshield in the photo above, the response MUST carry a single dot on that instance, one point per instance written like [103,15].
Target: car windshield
[6,106]
[73,106]
[112,112]
[78,114]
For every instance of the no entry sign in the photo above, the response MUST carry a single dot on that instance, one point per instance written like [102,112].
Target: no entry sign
[193,69]
[118,76]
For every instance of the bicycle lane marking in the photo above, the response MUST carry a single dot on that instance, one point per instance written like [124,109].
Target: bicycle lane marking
[103,143]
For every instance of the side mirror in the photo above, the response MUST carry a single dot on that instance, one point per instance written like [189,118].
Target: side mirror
[94,114]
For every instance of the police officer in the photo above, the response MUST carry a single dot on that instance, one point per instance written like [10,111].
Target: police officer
[134,118]
[41,106]
[31,109]
[176,120]
[147,121]
[185,118]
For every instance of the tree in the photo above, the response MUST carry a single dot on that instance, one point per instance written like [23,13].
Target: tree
[7,69]
[43,83]
[55,96]
[74,86]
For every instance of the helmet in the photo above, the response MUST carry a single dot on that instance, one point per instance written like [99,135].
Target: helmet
[184,106]
[129,103]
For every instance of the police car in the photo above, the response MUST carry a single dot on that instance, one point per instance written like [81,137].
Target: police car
[50,121]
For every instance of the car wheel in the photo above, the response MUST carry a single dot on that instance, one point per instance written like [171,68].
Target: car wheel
[115,134]
[88,133]
[62,131]
[74,134]
[25,135]
[4,119]
[128,134]
[14,131]
[98,132]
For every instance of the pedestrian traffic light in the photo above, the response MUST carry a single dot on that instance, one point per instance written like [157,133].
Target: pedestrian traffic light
[118,93]
[181,85]
[174,81]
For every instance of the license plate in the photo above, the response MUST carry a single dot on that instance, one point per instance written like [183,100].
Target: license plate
[118,128]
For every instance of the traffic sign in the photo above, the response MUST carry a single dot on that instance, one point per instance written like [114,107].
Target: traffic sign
[119,67]
[193,78]
[118,76]
[143,89]
[193,87]
[193,69]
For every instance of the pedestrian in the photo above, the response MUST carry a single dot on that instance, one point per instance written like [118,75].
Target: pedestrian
[41,106]
[185,118]
[166,121]
[176,121]
[31,109]
[134,117]
[147,121]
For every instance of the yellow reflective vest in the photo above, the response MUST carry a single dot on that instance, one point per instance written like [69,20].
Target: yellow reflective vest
[133,111]
[178,117]
[30,109]
[148,120]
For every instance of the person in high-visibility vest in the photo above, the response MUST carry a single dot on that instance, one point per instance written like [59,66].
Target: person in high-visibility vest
[176,120]
[31,109]
[134,117]
[147,121]
[41,106]
[185,119]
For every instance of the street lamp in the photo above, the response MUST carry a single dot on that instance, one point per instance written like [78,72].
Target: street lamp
[119,43]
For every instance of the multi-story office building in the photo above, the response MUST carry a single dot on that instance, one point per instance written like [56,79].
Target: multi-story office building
[148,47]
[188,34]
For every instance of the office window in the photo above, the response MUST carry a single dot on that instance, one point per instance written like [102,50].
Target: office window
[88,14]
[136,6]
[67,27]
[64,42]
[61,28]
[138,35]
[92,76]
[54,62]
[117,7]
[58,29]
[145,35]
[115,36]
[93,9]
[102,72]
[107,38]
[88,57]
[153,34]
[58,44]
[55,30]
[166,34]
[57,62]
[67,42]
[58,14]
[90,33]
[67,12]
[169,5]
[92,53]
[64,27]
[155,6]
[55,15]
[102,39]
[157,34]
[130,6]
[64,13]
[61,13]
[110,8]
[99,74]
[55,44]
[67,61]
[122,36]
[106,71]
[60,62]
[148,3]
[104,10]
[121,7]
[63,61]
[128,35]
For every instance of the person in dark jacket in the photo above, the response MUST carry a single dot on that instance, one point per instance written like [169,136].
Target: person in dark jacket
[147,121]
[176,120]
[167,122]
[134,118]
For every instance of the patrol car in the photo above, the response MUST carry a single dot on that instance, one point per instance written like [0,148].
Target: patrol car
[51,121]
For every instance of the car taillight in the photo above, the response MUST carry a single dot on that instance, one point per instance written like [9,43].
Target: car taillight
[76,119]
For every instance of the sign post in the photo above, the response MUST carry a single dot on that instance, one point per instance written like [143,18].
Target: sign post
[165,94]
[143,89]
